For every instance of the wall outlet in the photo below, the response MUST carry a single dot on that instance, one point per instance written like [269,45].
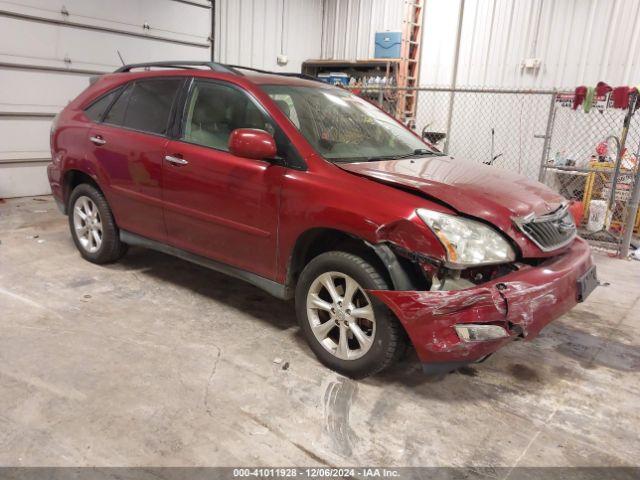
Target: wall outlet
[531,63]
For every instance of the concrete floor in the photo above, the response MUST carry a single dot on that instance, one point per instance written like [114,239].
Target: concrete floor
[154,361]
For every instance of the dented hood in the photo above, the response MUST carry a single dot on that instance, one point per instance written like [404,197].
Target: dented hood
[482,191]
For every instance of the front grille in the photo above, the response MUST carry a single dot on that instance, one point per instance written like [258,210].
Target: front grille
[551,231]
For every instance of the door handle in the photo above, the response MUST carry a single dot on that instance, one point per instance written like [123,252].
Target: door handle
[97,140]
[175,160]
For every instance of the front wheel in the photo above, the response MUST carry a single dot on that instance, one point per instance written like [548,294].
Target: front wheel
[348,329]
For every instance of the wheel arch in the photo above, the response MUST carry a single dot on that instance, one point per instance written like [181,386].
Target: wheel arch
[316,241]
[71,179]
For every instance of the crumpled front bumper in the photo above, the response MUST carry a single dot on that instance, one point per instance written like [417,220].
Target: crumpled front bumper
[523,302]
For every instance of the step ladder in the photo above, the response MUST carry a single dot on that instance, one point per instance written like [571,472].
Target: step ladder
[409,68]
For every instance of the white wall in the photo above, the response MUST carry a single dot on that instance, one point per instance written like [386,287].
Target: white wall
[254,32]
[249,32]
[36,36]
[579,42]
[349,26]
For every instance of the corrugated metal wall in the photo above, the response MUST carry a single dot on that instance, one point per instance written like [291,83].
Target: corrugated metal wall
[578,41]
[349,26]
[251,33]
[49,49]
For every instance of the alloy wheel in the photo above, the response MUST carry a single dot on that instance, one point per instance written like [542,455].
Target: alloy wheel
[87,224]
[341,315]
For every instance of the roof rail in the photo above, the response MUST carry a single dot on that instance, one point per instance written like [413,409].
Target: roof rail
[216,67]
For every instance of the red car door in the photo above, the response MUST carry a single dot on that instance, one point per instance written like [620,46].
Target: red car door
[216,204]
[128,148]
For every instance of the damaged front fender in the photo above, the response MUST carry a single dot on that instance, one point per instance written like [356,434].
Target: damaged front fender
[413,236]
[522,302]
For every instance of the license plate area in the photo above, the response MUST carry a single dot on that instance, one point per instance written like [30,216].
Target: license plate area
[587,283]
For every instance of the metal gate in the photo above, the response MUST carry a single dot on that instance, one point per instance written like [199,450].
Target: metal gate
[592,159]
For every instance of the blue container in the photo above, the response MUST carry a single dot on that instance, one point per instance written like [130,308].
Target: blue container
[339,78]
[388,44]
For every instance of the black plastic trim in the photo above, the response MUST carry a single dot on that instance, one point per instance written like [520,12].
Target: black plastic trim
[61,206]
[276,289]
[399,277]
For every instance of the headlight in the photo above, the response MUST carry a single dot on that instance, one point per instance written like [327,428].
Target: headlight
[467,242]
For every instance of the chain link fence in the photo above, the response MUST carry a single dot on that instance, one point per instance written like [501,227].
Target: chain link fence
[592,159]
[585,156]
[504,128]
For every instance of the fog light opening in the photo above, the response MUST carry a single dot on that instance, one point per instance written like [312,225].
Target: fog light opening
[470,332]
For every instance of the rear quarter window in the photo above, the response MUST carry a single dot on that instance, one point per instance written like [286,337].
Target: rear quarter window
[119,108]
[96,110]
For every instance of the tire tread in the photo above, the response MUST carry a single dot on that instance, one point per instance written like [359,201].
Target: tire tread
[396,344]
[112,248]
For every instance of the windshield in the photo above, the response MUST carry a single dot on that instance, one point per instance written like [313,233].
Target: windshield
[343,127]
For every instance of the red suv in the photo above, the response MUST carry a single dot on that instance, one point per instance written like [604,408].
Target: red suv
[312,193]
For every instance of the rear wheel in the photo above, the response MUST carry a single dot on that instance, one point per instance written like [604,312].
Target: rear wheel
[349,330]
[92,226]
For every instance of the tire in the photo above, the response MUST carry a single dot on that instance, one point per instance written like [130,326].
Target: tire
[384,340]
[109,248]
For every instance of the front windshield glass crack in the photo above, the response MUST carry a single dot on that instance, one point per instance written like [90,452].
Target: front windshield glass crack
[345,128]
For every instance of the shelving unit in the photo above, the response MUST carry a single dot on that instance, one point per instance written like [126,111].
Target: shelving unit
[398,72]
[387,68]
[383,67]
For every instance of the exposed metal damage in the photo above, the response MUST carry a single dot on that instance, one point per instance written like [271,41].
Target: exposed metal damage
[521,301]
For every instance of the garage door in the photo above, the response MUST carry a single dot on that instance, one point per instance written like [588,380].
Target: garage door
[49,51]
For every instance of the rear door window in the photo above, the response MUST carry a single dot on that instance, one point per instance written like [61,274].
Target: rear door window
[146,105]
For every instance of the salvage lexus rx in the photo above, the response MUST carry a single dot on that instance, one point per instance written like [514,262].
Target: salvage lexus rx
[312,193]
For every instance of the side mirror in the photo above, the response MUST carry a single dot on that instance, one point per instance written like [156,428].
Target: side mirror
[433,137]
[252,143]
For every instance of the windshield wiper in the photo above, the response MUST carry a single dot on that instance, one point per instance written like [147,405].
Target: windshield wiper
[418,152]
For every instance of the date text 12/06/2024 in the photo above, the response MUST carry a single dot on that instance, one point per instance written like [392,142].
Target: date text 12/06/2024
[316,472]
